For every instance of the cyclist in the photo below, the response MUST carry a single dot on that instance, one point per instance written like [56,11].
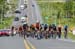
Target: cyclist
[25,26]
[38,29]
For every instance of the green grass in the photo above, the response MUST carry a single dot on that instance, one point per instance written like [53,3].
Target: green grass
[70,35]
[7,22]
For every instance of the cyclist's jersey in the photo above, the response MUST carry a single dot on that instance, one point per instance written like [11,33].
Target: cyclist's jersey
[50,27]
[20,28]
[25,26]
[24,20]
[45,26]
[37,26]
[12,28]
[33,26]
[59,29]
[65,27]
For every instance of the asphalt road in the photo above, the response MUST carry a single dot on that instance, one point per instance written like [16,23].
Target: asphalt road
[17,42]
[14,42]
[33,12]
[51,44]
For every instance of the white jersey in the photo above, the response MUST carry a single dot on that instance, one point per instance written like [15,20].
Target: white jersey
[24,20]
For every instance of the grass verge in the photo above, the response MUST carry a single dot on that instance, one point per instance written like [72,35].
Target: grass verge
[7,22]
[70,35]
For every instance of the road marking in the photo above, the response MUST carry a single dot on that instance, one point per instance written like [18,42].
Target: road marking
[32,46]
[66,40]
[26,45]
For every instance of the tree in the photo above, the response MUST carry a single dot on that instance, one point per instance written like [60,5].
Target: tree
[58,15]
[3,8]
[68,6]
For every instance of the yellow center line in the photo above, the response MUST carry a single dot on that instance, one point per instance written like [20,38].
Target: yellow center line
[32,46]
[26,45]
